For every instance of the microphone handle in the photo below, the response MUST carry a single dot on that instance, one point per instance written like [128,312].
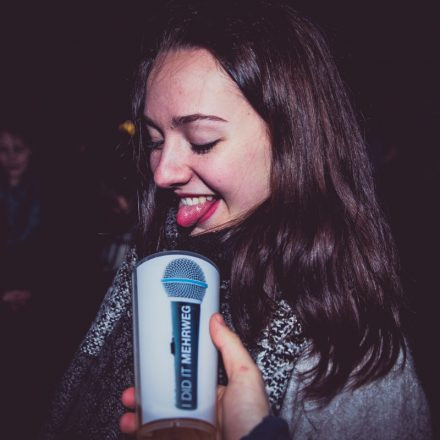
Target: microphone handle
[186,322]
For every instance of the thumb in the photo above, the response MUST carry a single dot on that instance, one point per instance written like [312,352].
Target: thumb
[236,358]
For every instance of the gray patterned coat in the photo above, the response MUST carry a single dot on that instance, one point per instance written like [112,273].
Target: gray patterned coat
[88,404]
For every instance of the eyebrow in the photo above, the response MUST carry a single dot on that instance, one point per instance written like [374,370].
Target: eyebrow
[178,121]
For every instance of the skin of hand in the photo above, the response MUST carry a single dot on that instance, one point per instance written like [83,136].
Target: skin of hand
[241,405]
[16,299]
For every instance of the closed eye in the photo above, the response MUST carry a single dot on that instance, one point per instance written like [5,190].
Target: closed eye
[196,148]
[204,148]
[154,145]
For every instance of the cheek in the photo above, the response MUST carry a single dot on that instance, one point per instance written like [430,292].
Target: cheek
[218,174]
[253,186]
[23,159]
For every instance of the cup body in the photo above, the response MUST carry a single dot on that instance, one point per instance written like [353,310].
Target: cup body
[175,294]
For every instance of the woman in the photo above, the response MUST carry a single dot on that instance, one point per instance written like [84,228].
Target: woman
[250,154]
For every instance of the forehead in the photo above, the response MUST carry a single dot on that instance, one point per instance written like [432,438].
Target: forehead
[8,140]
[189,81]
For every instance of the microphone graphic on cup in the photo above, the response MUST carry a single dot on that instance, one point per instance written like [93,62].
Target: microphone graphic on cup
[185,285]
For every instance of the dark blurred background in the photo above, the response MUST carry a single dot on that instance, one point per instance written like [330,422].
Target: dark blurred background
[65,81]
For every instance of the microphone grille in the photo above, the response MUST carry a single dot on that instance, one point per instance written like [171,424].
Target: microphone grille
[184,278]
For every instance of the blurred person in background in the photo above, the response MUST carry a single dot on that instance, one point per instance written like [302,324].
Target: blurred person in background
[20,220]
[22,331]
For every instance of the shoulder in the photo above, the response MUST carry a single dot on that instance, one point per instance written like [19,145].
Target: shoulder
[117,303]
[393,406]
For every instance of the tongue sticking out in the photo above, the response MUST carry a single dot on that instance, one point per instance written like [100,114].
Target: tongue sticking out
[189,215]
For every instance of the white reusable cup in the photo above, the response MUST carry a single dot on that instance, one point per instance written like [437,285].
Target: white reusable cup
[175,294]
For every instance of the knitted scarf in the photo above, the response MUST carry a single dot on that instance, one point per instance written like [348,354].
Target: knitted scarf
[88,406]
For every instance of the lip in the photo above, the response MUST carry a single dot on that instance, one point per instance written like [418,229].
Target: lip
[190,215]
[14,168]
[209,198]
[183,195]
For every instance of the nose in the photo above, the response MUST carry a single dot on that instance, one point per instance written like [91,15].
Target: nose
[171,167]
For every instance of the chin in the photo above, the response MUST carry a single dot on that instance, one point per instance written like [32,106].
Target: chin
[209,227]
[198,231]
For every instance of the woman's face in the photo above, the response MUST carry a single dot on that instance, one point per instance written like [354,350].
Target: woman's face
[14,156]
[208,144]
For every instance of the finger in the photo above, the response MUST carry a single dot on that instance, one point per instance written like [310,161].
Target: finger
[220,392]
[236,358]
[128,423]
[129,398]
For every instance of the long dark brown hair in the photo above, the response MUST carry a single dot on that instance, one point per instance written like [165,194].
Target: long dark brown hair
[323,244]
